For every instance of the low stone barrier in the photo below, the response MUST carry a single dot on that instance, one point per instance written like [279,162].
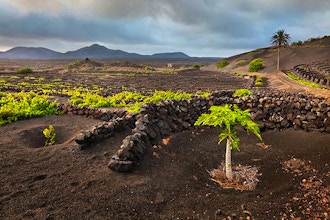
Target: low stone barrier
[312,74]
[270,109]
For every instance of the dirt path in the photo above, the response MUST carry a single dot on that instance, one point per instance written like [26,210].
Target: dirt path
[281,81]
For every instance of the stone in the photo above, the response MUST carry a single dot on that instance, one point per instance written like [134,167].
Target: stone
[311,116]
[270,125]
[80,139]
[118,165]
[284,123]
[185,124]
[297,122]
[151,133]
[137,150]
[140,125]
[297,105]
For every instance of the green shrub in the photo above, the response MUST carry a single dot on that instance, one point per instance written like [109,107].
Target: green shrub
[258,82]
[73,64]
[169,72]
[195,66]
[256,65]
[222,64]
[24,70]
[242,92]
[147,68]
[240,63]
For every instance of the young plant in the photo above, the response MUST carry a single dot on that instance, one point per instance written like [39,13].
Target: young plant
[49,133]
[226,117]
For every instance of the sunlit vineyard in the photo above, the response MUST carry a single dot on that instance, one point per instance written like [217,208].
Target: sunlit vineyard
[31,97]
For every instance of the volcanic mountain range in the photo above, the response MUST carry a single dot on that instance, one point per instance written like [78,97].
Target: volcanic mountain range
[94,51]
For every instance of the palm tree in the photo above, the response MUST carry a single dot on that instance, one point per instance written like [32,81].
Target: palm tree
[280,38]
[227,117]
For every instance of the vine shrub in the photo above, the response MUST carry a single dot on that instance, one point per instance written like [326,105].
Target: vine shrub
[49,134]
[258,82]
[311,84]
[25,105]
[130,100]
[195,66]
[256,65]
[242,93]
[157,97]
[24,70]
[222,64]
[240,62]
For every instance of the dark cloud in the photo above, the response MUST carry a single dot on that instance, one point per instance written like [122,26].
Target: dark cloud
[197,26]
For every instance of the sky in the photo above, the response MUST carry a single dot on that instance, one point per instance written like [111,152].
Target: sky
[203,28]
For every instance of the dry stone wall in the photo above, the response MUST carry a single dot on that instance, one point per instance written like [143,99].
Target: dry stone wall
[314,74]
[270,109]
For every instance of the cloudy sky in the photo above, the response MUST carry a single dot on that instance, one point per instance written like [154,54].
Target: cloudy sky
[196,27]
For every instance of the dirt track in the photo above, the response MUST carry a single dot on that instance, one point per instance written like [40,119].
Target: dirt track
[280,81]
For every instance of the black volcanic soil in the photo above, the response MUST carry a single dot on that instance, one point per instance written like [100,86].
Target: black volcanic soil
[64,182]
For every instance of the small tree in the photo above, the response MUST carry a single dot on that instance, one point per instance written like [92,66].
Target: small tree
[226,117]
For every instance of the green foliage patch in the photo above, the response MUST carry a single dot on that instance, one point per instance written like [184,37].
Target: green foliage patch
[24,70]
[195,66]
[25,105]
[240,62]
[311,84]
[242,93]
[130,100]
[222,64]
[256,65]
[158,96]
[258,82]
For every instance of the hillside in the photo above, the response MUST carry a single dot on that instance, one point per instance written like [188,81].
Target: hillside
[310,51]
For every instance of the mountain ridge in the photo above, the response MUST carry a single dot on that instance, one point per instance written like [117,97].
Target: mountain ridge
[94,51]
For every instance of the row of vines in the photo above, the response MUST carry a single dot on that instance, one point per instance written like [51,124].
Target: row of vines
[32,97]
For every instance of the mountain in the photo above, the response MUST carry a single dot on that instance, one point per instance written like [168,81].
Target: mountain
[94,51]
[175,55]
[30,53]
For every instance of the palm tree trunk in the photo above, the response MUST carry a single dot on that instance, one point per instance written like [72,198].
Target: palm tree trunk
[229,172]
[278,58]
